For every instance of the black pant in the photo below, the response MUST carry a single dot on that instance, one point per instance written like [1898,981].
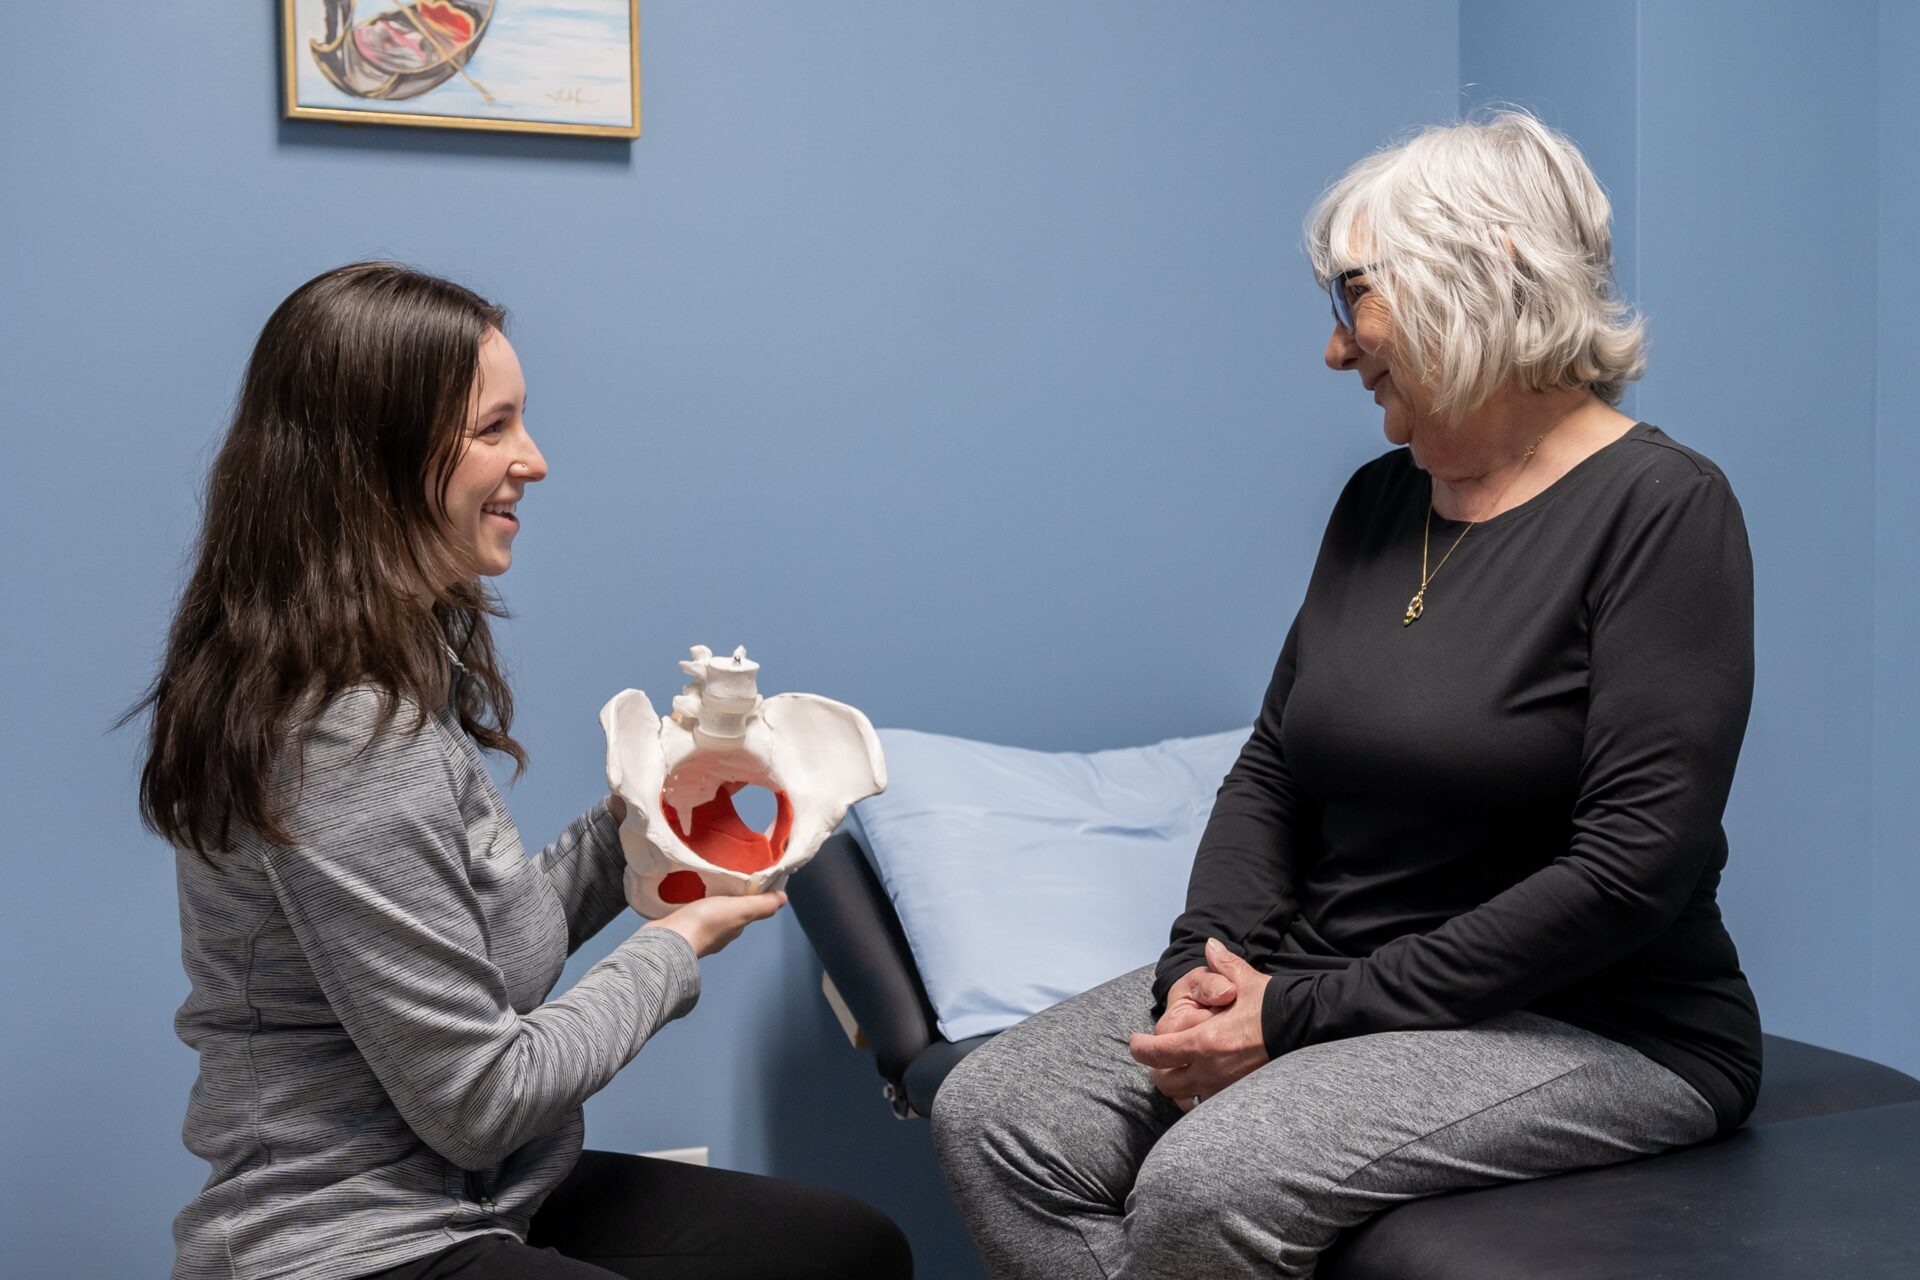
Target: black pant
[628,1216]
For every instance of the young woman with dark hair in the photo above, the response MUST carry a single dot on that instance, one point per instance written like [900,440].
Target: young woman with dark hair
[385,1088]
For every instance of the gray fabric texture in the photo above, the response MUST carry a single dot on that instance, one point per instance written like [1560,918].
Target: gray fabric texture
[381,1072]
[1067,1163]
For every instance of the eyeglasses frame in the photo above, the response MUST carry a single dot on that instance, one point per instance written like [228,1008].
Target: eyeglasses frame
[1337,296]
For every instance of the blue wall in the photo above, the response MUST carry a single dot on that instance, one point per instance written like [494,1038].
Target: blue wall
[996,313]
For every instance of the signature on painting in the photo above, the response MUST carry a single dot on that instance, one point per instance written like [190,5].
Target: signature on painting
[570,97]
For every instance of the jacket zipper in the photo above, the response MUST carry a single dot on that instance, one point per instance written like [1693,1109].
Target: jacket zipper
[477,1189]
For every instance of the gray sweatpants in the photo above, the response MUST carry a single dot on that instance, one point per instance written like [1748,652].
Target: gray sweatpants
[1067,1163]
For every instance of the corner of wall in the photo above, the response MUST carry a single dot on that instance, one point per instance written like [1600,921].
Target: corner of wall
[1894,956]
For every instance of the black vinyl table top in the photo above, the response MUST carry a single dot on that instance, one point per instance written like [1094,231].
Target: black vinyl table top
[1831,1195]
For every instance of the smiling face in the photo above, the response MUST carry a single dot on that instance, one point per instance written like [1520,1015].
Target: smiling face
[1368,350]
[498,460]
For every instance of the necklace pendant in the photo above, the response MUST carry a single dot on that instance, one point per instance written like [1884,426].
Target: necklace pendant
[1415,607]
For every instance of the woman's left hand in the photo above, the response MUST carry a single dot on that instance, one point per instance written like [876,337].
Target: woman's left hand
[1191,1066]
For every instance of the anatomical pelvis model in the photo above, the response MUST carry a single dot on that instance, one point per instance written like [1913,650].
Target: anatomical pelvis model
[682,836]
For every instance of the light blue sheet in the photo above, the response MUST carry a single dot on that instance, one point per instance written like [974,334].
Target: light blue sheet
[1024,877]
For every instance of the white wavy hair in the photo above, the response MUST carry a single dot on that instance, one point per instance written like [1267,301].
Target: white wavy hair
[1488,242]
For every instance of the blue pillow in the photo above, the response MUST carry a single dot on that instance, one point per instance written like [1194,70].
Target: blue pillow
[1024,877]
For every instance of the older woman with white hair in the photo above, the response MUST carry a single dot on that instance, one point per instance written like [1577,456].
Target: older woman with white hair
[1453,920]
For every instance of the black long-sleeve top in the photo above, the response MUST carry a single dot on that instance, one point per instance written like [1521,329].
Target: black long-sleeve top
[1515,802]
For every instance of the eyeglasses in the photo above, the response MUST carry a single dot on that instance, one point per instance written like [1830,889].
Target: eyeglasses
[1345,299]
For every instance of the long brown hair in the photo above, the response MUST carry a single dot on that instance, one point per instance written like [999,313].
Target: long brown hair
[323,561]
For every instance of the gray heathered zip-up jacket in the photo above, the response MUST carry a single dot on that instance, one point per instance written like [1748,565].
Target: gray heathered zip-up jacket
[381,1073]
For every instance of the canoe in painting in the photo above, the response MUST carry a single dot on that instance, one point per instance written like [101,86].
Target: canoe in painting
[402,52]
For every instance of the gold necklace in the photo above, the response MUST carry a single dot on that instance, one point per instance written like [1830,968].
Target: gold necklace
[1418,605]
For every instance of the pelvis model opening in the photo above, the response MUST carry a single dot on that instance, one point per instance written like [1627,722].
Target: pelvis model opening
[718,833]
[681,777]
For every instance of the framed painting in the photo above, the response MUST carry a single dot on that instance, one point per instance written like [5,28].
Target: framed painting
[525,66]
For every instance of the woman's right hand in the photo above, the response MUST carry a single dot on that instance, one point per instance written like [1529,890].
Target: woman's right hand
[1199,994]
[711,923]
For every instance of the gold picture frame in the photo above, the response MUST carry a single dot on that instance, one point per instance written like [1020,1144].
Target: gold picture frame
[465,64]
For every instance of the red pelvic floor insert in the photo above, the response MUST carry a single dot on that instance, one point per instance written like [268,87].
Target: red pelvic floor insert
[677,887]
[723,839]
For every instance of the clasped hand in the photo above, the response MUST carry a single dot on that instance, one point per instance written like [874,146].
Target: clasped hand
[1210,1034]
